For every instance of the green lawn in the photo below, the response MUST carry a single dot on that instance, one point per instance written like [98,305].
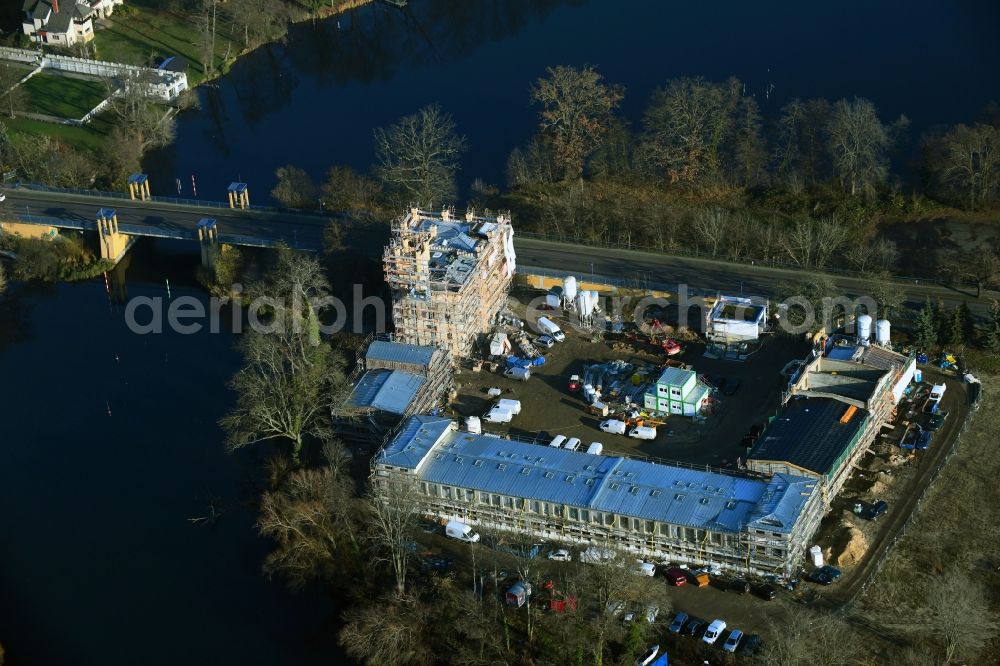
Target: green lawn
[62,96]
[141,33]
[89,137]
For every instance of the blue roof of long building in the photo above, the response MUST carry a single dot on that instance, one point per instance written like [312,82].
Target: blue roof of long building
[398,352]
[388,390]
[623,486]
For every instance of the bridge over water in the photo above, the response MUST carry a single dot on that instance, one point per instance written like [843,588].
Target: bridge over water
[37,210]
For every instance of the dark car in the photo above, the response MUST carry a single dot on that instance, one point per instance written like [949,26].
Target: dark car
[820,578]
[730,386]
[871,511]
[765,591]
[679,621]
[751,645]
[739,586]
[937,421]
[832,572]
[694,627]
[924,441]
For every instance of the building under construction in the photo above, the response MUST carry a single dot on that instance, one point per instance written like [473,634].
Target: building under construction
[449,277]
[392,381]
[661,512]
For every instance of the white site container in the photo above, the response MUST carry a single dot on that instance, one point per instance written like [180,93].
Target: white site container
[473,425]
[513,405]
[817,556]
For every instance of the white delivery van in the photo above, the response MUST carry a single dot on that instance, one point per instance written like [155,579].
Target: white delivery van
[498,415]
[522,374]
[642,432]
[573,444]
[547,326]
[595,448]
[614,426]
[513,405]
[557,441]
[460,531]
[714,631]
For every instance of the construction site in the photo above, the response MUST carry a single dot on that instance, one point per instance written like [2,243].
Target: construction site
[569,381]
[449,277]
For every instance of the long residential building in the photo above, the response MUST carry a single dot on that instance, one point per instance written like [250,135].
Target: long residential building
[657,511]
[449,277]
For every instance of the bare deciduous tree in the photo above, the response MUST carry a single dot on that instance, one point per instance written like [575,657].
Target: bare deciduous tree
[390,630]
[970,162]
[712,226]
[859,144]
[11,93]
[957,616]
[686,124]
[141,119]
[812,243]
[291,379]
[419,155]
[394,507]
[295,188]
[577,111]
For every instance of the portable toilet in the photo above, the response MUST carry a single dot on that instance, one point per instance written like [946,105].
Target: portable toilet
[817,556]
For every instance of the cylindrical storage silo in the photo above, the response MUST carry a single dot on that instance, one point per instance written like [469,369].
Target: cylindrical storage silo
[593,302]
[864,327]
[569,287]
[882,328]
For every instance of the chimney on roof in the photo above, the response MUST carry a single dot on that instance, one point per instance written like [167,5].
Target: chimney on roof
[55,6]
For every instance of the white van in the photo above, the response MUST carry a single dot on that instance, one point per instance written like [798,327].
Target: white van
[595,448]
[573,444]
[522,374]
[614,426]
[547,326]
[460,531]
[498,415]
[513,405]
[557,441]
[642,432]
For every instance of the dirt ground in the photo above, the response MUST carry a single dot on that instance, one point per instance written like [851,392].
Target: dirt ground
[548,408]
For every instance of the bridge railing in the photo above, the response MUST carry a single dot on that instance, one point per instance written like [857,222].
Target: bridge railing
[38,187]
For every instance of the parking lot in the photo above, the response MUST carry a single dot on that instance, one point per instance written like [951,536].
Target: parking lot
[550,409]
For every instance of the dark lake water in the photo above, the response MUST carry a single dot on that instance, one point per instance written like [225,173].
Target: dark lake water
[314,102]
[108,446]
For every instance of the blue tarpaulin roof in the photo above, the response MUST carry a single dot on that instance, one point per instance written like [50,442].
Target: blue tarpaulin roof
[388,390]
[398,352]
[623,486]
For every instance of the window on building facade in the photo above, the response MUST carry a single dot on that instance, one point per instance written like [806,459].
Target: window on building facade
[716,538]
[609,519]
[649,527]
[574,514]
[584,515]
[495,499]
[508,502]
[536,507]
[434,490]
[447,491]
[484,498]
[689,534]
[623,522]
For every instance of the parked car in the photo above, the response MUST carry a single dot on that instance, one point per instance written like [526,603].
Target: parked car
[544,341]
[615,607]
[832,572]
[3,197]
[739,585]
[647,658]
[924,441]
[694,627]
[678,623]
[676,576]
[730,386]
[871,511]
[714,631]
[560,555]
[766,592]
[910,437]
[936,421]
[671,347]
[733,641]
[820,578]
[645,569]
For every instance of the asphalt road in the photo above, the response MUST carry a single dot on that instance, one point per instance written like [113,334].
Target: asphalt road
[305,231]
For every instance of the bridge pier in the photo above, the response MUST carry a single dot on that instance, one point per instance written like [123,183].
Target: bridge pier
[138,186]
[208,239]
[113,243]
[239,196]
